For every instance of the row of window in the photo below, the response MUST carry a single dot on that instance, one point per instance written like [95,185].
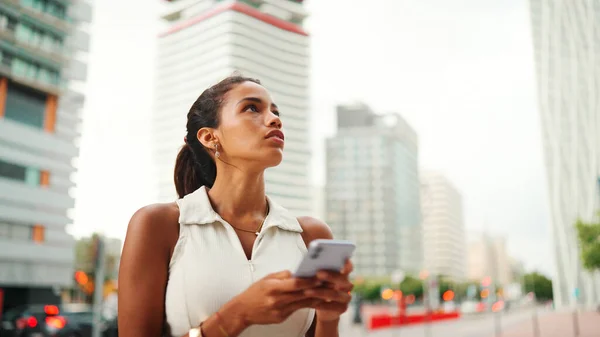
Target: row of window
[51,7]
[28,69]
[31,35]
[38,38]
[22,232]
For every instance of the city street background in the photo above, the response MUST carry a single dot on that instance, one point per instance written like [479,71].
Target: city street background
[454,142]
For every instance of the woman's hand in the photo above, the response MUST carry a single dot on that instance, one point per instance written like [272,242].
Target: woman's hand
[273,299]
[334,295]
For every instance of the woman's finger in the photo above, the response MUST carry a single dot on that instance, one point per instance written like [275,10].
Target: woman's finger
[348,268]
[333,277]
[329,295]
[332,306]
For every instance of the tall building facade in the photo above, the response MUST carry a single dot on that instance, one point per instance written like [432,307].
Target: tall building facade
[444,241]
[42,46]
[566,36]
[206,41]
[372,190]
[488,257]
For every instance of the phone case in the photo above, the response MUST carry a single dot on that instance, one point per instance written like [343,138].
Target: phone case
[324,255]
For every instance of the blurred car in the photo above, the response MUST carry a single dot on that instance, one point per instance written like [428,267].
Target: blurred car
[68,320]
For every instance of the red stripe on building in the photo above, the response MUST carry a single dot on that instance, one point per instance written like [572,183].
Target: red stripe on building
[241,8]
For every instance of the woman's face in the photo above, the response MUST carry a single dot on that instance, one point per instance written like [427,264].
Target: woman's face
[249,127]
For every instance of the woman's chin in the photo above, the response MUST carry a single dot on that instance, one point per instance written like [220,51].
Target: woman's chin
[273,160]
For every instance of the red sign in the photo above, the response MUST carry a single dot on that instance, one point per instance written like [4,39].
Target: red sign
[1,302]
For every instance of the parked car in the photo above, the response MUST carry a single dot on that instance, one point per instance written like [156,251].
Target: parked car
[67,320]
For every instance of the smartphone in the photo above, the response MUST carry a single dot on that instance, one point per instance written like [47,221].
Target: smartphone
[324,254]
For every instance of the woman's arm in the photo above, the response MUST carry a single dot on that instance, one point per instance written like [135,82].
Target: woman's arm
[151,236]
[315,229]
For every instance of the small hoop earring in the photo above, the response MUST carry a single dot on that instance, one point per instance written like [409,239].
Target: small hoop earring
[217,154]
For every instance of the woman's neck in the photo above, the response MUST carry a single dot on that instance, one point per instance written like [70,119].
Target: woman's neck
[237,194]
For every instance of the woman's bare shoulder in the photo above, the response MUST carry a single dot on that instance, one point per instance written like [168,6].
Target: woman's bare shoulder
[156,224]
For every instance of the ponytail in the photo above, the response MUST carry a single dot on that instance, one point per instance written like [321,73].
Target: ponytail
[193,169]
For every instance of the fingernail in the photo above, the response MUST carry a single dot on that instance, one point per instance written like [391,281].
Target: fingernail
[309,292]
[322,275]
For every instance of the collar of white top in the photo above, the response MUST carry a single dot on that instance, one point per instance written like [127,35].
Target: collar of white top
[195,209]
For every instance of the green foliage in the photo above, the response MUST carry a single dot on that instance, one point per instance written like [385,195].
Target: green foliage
[84,255]
[85,252]
[369,290]
[412,286]
[540,285]
[460,290]
[589,243]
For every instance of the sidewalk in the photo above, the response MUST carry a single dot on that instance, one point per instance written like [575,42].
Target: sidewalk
[558,324]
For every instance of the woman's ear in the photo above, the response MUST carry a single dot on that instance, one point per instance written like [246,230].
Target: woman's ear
[207,137]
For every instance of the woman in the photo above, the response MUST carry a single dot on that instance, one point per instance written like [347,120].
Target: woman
[216,262]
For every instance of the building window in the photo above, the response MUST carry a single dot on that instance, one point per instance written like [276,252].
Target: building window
[22,232]
[5,59]
[29,175]
[25,106]
[32,176]
[14,231]
[7,22]
[12,171]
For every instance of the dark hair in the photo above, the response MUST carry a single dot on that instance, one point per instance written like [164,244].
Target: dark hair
[194,167]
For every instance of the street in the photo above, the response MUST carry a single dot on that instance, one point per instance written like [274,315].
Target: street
[470,326]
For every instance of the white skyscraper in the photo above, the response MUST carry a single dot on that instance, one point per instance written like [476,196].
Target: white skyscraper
[208,40]
[566,36]
[443,227]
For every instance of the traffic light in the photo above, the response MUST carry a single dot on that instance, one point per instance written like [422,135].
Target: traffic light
[84,282]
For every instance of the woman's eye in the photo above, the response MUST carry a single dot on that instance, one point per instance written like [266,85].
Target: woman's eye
[251,107]
[276,113]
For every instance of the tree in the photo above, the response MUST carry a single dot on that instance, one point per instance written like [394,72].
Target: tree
[370,289]
[412,286]
[540,285]
[589,243]
[85,266]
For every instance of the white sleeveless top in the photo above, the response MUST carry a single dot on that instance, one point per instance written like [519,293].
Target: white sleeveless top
[209,267]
